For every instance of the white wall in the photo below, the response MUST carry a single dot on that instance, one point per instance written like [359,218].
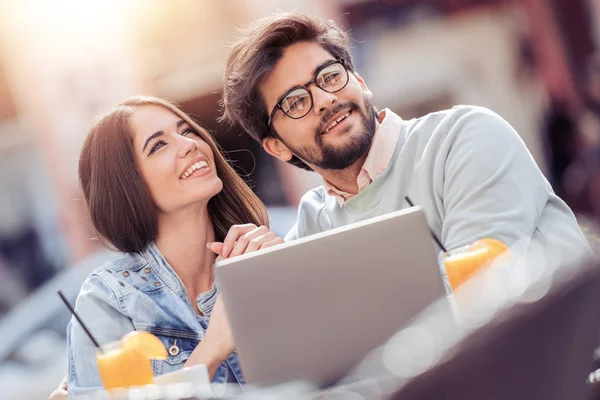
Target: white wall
[472,59]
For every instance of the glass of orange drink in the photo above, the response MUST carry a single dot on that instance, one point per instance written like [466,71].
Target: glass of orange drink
[126,363]
[462,263]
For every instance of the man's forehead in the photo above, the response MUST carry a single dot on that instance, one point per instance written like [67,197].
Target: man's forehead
[306,53]
[296,67]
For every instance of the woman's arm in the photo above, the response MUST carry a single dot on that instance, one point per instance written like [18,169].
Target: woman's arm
[60,393]
[217,343]
[100,310]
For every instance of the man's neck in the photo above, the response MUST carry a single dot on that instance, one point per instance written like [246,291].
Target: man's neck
[344,179]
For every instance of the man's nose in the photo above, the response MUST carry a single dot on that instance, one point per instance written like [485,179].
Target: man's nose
[322,100]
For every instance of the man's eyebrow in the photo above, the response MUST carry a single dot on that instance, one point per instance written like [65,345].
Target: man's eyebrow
[324,63]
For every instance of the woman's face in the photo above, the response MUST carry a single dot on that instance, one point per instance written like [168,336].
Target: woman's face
[176,164]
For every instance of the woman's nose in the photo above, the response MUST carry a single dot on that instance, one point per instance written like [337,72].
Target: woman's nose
[186,146]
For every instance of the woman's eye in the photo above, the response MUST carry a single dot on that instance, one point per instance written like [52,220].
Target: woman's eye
[157,145]
[189,130]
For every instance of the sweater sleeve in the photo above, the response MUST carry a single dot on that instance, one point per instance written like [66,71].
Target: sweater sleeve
[492,185]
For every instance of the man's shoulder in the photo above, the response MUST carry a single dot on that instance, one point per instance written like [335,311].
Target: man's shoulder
[313,205]
[313,200]
[451,115]
[310,208]
[446,125]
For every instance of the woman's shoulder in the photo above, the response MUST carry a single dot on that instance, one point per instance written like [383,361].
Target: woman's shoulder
[113,273]
[126,262]
[122,275]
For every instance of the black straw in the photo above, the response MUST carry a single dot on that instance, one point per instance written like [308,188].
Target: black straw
[439,243]
[64,299]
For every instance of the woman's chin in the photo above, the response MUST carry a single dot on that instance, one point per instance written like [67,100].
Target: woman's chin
[191,197]
[209,190]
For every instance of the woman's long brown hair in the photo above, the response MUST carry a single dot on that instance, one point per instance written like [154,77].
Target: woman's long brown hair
[119,202]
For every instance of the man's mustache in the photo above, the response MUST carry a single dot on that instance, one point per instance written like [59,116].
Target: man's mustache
[351,106]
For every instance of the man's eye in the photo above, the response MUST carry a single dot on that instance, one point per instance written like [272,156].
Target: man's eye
[331,78]
[298,104]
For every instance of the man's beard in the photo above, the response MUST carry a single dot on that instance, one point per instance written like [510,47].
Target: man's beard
[326,156]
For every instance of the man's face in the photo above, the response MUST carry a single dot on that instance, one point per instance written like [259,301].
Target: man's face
[313,138]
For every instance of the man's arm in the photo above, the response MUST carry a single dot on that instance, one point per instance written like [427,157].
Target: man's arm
[492,186]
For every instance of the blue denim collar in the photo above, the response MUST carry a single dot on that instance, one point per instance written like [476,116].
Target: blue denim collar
[166,273]
[162,269]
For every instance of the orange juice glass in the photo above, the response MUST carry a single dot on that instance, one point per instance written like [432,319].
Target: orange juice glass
[463,262]
[123,367]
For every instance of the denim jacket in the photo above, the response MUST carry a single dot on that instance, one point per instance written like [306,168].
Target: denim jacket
[139,291]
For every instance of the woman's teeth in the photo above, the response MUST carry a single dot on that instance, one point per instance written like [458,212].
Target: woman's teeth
[194,167]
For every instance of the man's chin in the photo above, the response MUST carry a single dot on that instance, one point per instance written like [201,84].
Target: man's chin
[340,157]
[344,150]
[337,138]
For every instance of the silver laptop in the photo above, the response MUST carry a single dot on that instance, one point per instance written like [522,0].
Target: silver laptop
[312,309]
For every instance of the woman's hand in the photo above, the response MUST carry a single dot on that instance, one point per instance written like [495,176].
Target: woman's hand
[243,239]
[61,391]
[217,343]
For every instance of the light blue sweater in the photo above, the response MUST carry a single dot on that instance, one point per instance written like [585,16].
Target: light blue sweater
[474,178]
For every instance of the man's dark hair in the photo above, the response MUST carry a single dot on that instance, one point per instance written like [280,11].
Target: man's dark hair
[253,57]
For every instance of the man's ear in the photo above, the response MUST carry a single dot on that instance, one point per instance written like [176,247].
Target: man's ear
[362,83]
[277,149]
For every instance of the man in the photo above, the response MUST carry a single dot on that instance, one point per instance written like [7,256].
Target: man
[290,83]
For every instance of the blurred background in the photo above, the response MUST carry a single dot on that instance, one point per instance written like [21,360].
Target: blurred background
[62,62]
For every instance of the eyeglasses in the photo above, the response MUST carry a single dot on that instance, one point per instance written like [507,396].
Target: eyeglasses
[298,102]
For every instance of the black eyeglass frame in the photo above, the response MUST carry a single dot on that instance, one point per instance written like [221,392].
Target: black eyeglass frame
[305,87]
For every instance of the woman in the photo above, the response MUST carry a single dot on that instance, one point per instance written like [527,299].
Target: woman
[159,190]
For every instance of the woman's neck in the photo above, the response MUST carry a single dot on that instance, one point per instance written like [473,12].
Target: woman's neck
[182,241]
